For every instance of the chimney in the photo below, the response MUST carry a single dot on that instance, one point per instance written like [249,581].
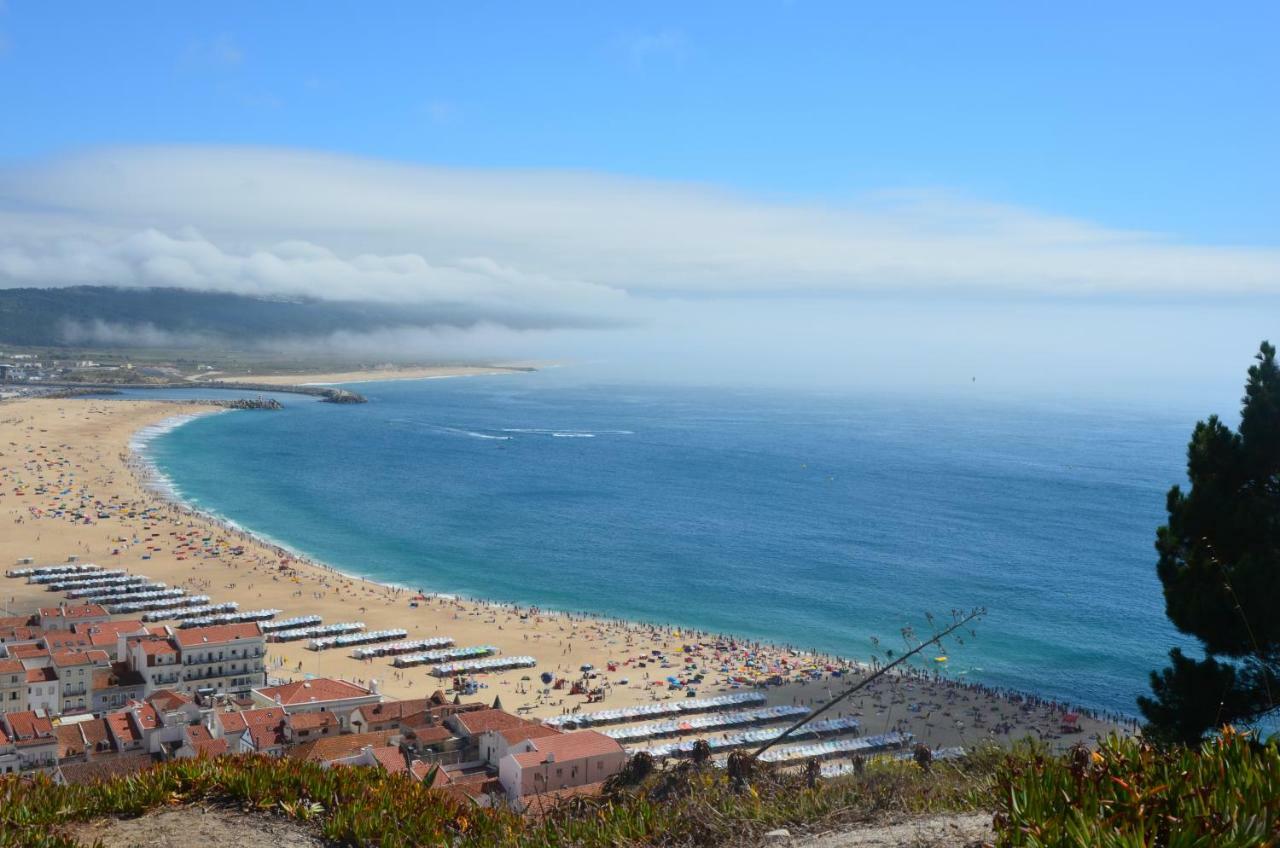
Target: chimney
[374,686]
[551,756]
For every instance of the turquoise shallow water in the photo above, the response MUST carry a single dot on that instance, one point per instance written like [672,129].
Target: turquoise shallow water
[814,520]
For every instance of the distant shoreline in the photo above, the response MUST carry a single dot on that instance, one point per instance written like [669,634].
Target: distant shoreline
[373,375]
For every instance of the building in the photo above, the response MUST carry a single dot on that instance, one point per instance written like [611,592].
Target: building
[320,694]
[13,686]
[75,670]
[155,659]
[223,659]
[564,761]
[31,735]
[63,617]
[115,686]
[43,693]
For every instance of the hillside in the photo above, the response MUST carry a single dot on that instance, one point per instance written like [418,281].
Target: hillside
[104,316]
[1126,793]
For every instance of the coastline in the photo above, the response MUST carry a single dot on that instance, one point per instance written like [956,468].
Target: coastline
[560,640]
[377,375]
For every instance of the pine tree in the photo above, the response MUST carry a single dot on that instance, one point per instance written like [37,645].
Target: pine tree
[1220,568]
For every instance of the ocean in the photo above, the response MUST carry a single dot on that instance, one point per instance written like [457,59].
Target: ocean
[816,520]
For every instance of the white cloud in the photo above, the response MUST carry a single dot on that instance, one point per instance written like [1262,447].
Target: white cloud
[380,229]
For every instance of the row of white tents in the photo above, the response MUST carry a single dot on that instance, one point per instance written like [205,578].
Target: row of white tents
[837,747]
[315,631]
[47,570]
[196,611]
[488,664]
[755,737]
[350,639]
[657,710]
[707,721]
[444,655]
[402,647]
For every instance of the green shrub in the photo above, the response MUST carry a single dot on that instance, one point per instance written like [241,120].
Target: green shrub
[1130,793]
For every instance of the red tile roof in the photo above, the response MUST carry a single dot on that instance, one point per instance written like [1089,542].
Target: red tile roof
[421,770]
[70,742]
[109,628]
[393,710]
[45,674]
[26,652]
[11,666]
[68,659]
[431,735]
[60,640]
[167,700]
[569,746]
[96,734]
[312,721]
[328,748]
[321,689]
[390,758]
[528,730]
[157,647]
[211,747]
[218,634]
[122,728]
[105,768]
[146,716]
[28,725]
[78,611]
[477,722]
[234,722]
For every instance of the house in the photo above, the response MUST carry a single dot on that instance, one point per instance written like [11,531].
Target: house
[9,762]
[13,686]
[75,671]
[106,635]
[320,694]
[475,724]
[388,715]
[261,731]
[495,744]
[97,737]
[31,735]
[115,686]
[64,616]
[174,707]
[155,659]
[42,690]
[305,726]
[126,735]
[200,742]
[222,659]
[564,761]
[332,749]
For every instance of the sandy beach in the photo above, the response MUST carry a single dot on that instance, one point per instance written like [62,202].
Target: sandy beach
[427,372]
[63,457]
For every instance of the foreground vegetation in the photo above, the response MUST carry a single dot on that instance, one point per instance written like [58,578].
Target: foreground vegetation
[1124,794]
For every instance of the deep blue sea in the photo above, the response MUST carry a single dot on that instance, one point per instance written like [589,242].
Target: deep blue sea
[809,519]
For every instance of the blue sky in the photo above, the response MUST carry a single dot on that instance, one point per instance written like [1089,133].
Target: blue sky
[1149,116]
[1084,196]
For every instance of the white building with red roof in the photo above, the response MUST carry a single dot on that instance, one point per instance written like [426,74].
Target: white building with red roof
[552,763]
[321,694]
[63,616]
[13,685]
[222,659]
